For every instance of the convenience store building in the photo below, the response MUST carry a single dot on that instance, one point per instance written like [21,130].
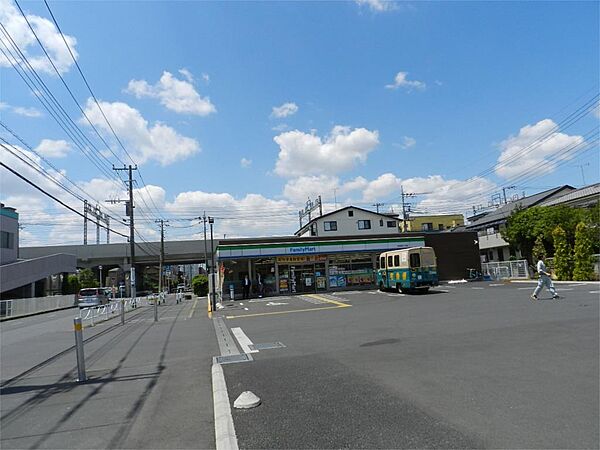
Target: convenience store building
[290,264]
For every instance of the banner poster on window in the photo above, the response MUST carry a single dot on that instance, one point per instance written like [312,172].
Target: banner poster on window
[333,281]
[341,281]
[320,282]
[293,279]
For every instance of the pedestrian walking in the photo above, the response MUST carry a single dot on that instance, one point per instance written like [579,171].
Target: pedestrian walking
[246,285]
[544,280]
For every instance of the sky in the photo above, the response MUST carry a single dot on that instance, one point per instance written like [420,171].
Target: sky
[244,110]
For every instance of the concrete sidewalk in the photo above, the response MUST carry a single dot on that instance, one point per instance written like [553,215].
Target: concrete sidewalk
[149,386]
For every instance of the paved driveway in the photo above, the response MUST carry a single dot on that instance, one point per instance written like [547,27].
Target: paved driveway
[473,365]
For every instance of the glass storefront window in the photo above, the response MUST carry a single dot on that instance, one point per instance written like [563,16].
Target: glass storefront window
[347,271]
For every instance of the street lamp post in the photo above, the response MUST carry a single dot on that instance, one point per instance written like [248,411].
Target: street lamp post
[213,301]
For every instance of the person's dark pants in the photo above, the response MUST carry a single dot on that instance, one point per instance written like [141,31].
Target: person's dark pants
[246,292]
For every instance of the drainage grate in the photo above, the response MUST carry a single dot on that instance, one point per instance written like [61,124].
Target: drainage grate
[266,346]
[230,359]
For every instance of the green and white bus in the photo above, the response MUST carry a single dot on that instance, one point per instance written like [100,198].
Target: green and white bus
[407,270]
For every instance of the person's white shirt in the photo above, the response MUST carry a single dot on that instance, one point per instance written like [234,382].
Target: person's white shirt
[541,267]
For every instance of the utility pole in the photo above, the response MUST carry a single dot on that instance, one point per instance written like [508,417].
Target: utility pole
[160,266]
[377,205]
[405,207]
[504,192]
[205,250]
[581,166]
[335,197]
[213,283]
[129,206]
[85,219]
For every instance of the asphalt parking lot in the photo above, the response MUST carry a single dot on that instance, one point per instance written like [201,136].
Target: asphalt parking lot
[476,365]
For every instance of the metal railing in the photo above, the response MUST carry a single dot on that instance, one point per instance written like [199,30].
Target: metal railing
[96,314]
[506,269]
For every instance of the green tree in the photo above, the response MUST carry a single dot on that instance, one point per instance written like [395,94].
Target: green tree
[584,264]
[562,255]
[200,285]
[539,249]
[524,226]
[87,279]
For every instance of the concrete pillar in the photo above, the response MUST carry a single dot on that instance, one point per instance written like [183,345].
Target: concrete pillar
[32,290]
[276,277]
[327,273]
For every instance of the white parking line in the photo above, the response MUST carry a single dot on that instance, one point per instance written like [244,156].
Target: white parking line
[492,285]
[477,288]
[525,289]
[594,292]
[243,340]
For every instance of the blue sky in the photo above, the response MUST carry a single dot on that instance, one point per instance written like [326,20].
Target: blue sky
[424,95]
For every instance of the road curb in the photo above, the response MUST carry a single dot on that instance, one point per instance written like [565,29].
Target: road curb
[558,282]
[225,437]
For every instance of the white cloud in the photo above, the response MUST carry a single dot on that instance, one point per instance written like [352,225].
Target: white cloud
[537,147]
[378,5]
[307,154]
[177,95]
[251,215]
[158,142]
[285,110]
[21,110]
[245,163]
[27,112]
[401,81]
[18,29]
[187,74]
[280,127]
[299,189]
[407,142]
[53,148]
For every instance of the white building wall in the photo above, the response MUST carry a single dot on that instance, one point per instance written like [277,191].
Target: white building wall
[348,226]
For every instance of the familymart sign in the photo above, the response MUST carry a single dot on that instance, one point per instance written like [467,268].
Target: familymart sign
[256,250]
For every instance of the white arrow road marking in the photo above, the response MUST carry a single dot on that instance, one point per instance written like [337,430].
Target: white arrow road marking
[243,340]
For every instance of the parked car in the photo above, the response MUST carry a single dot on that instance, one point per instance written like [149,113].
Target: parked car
[89,297]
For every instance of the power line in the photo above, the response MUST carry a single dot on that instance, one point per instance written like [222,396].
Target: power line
[14,172]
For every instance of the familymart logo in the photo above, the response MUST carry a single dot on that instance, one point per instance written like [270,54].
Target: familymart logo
[306,249]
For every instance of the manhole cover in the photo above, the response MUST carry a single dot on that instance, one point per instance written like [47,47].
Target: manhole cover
[266,346]
[230,359]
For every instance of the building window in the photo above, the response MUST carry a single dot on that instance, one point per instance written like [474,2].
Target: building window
[364,224]
[428,226]
[313,229]
[380,222]
[350,213]
[330,226]
[391,224]
[7,239]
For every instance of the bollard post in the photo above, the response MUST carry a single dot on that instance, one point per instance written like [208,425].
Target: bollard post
[122,311]
[78,328]
[156,308]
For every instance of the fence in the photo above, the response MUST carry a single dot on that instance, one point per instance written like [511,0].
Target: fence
[506,269]
[24,306]
[96,314]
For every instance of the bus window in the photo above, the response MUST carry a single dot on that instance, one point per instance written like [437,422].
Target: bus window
[382,262]
[389,261]
[415,260]
[397,260]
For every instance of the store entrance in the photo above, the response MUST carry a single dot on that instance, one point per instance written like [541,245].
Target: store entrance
[302,278]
